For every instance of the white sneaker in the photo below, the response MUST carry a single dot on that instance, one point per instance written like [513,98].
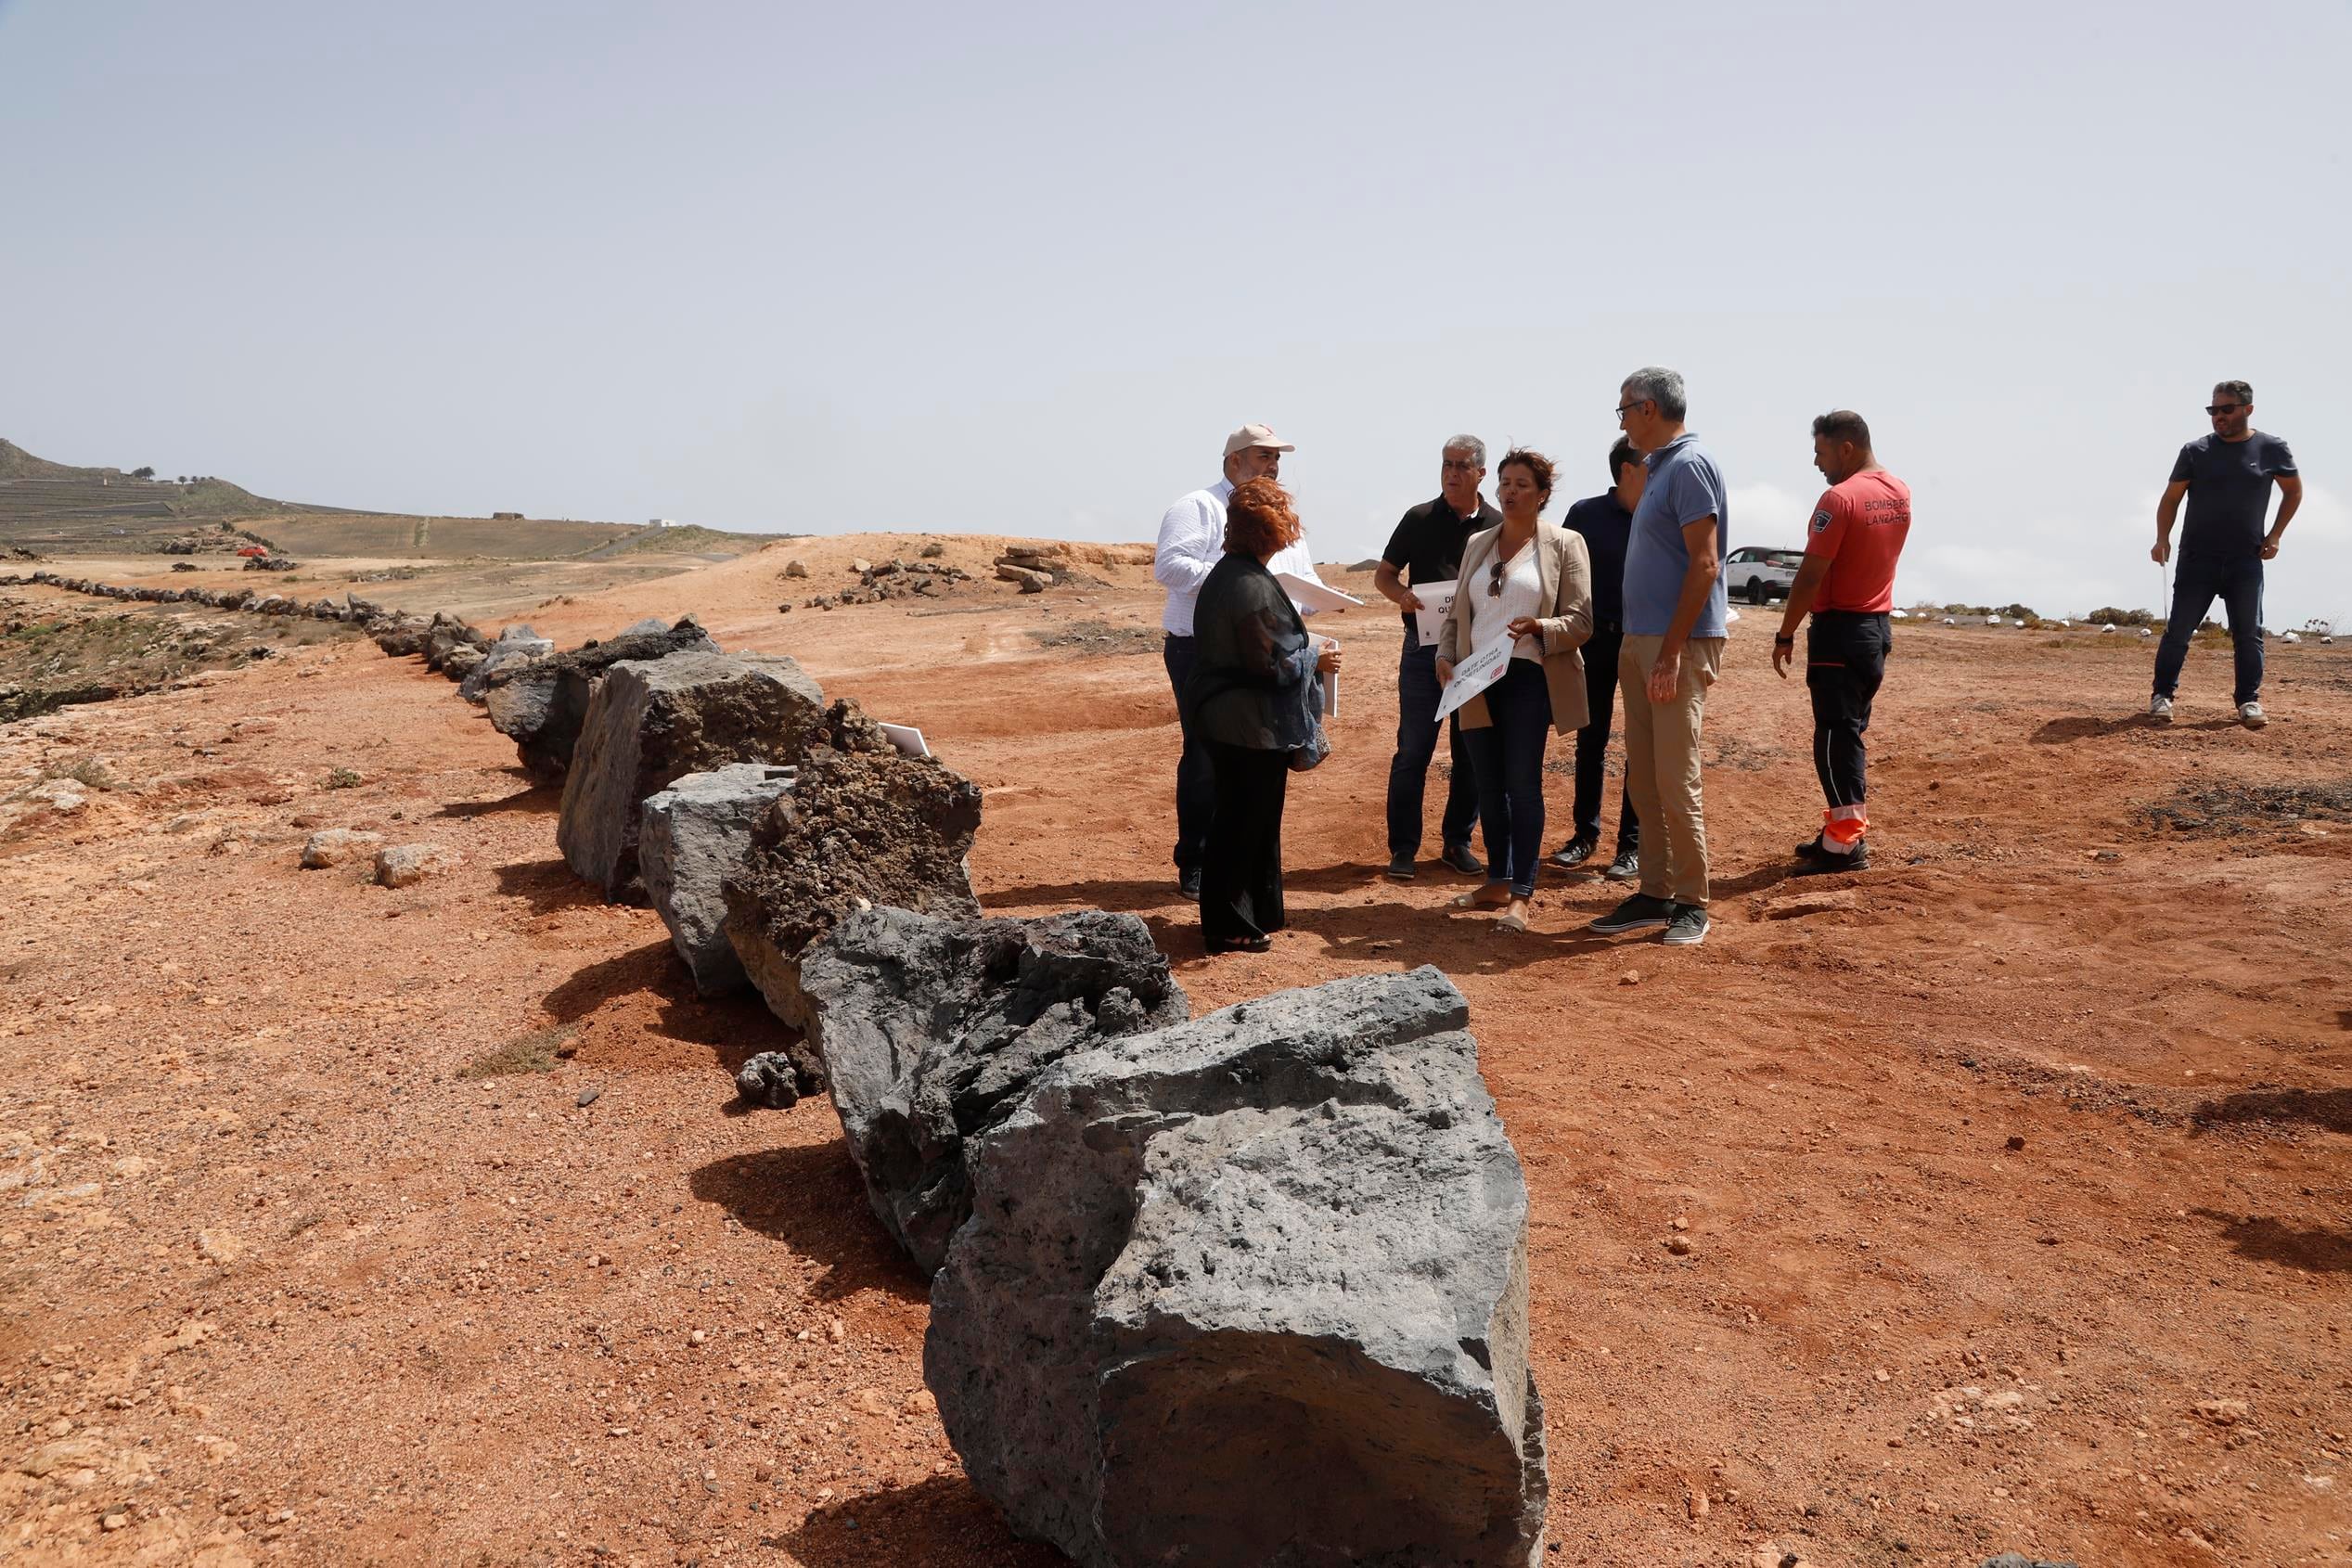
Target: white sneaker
[2251,716]
[2160,709]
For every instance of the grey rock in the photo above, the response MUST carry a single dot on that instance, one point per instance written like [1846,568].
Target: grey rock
[864,827]
[930,1031]
[691,837]
[510,653]
[652,626]
[2019,1560]
[539,706]
[461,661]
[650,723]
[333,846]
[776,1081]
[1255,1284]
[404,865]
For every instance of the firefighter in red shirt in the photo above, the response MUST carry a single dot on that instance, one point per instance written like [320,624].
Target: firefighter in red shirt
[1847,583]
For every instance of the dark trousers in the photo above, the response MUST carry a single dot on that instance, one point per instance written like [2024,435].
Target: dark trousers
[1509,756]
[1845,662]
[1592,745]
[1241,871]
[1196,790]
[1416,694]
[2195,584]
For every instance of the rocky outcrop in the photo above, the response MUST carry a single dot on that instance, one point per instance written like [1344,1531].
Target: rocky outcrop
[691,837]
[1255,1284]
[865,825]
[540,705]
[652,722]
[931,1031]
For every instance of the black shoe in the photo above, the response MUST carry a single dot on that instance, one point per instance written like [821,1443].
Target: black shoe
[1812,860]
[1811,849]
[1400,868]
[1574,853]
[1639,913]
[1461,859]
[1189,882]
[1688,926]
[1627,867]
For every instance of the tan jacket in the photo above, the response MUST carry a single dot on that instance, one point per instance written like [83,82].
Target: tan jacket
[1564,567]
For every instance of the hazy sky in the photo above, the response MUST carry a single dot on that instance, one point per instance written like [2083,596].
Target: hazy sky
[1020,268]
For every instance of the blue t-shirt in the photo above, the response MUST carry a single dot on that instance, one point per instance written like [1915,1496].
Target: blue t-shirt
[1684,486]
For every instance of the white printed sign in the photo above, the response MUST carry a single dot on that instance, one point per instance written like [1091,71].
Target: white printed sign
[1436,599]
[1310,595]
[1474,674]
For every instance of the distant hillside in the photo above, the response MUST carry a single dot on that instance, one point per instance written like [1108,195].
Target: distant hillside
[58,509]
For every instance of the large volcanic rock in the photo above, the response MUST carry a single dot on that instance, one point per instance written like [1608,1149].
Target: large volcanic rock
[517,646]
[540,705]
[865,825]
[930,1031]
[691,837]
[654,721]
[1253,1286]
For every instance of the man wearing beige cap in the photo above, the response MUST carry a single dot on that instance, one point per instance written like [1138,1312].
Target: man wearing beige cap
[1191,540]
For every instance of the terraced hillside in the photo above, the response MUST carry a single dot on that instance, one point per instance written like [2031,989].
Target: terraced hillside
[58,509]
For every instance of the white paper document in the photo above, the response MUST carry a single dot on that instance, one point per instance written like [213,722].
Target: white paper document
[1330,694]
[1313,595]
[1474,674]
[1436,599]
[907,738]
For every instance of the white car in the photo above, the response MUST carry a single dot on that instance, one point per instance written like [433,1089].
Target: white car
[1760,575]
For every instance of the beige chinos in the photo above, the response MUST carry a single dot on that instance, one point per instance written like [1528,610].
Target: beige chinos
[1662,764]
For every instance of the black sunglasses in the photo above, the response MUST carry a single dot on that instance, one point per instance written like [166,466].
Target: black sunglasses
[1495,580]
[2219,409]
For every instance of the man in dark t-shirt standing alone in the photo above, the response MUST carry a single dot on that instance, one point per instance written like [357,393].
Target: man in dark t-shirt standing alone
[1605,520]
[2226,477]
[1426,549]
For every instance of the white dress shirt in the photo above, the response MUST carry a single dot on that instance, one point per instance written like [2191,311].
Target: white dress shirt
[1192,542]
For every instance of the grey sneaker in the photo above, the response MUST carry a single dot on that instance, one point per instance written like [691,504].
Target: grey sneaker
[1573,854]
[1686,927]
[1639,913]
[2251,716]
[1400,868]
[1627,867]
[2160,709]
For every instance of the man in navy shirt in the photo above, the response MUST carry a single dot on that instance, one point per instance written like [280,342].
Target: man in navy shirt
[1605,520]
[2226,477]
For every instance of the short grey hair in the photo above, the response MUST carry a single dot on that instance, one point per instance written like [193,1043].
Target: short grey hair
[1470,444]
[1656,383]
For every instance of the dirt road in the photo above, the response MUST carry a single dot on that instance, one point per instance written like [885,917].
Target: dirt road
[2015,1173]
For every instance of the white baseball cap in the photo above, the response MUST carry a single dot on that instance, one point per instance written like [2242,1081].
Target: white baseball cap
[1255,435]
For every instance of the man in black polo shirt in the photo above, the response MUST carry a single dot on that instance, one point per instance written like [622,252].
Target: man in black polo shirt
[2226,477]
[1428,545]
[1606,521]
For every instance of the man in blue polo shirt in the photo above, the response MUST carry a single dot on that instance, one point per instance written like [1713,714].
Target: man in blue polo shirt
[1676,619]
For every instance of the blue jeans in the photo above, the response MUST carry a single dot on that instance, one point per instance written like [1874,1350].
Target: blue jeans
[1417,726]
[2196,582]
[1509,755]
[1196,775]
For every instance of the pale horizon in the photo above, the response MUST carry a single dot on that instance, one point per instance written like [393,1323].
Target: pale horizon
[804,271]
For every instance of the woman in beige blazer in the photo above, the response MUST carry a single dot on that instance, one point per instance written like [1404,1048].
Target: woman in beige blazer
[1531,583]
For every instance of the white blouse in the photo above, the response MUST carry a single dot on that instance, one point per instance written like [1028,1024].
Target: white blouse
[1523,594]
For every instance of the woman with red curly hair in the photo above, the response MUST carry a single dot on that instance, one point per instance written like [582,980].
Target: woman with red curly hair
[1253,700]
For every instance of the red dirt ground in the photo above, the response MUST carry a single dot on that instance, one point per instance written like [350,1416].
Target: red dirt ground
[2015,1171]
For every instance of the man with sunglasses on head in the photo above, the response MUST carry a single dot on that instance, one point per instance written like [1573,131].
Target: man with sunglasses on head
[2227,476]
[1676,620]
[1427,547]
